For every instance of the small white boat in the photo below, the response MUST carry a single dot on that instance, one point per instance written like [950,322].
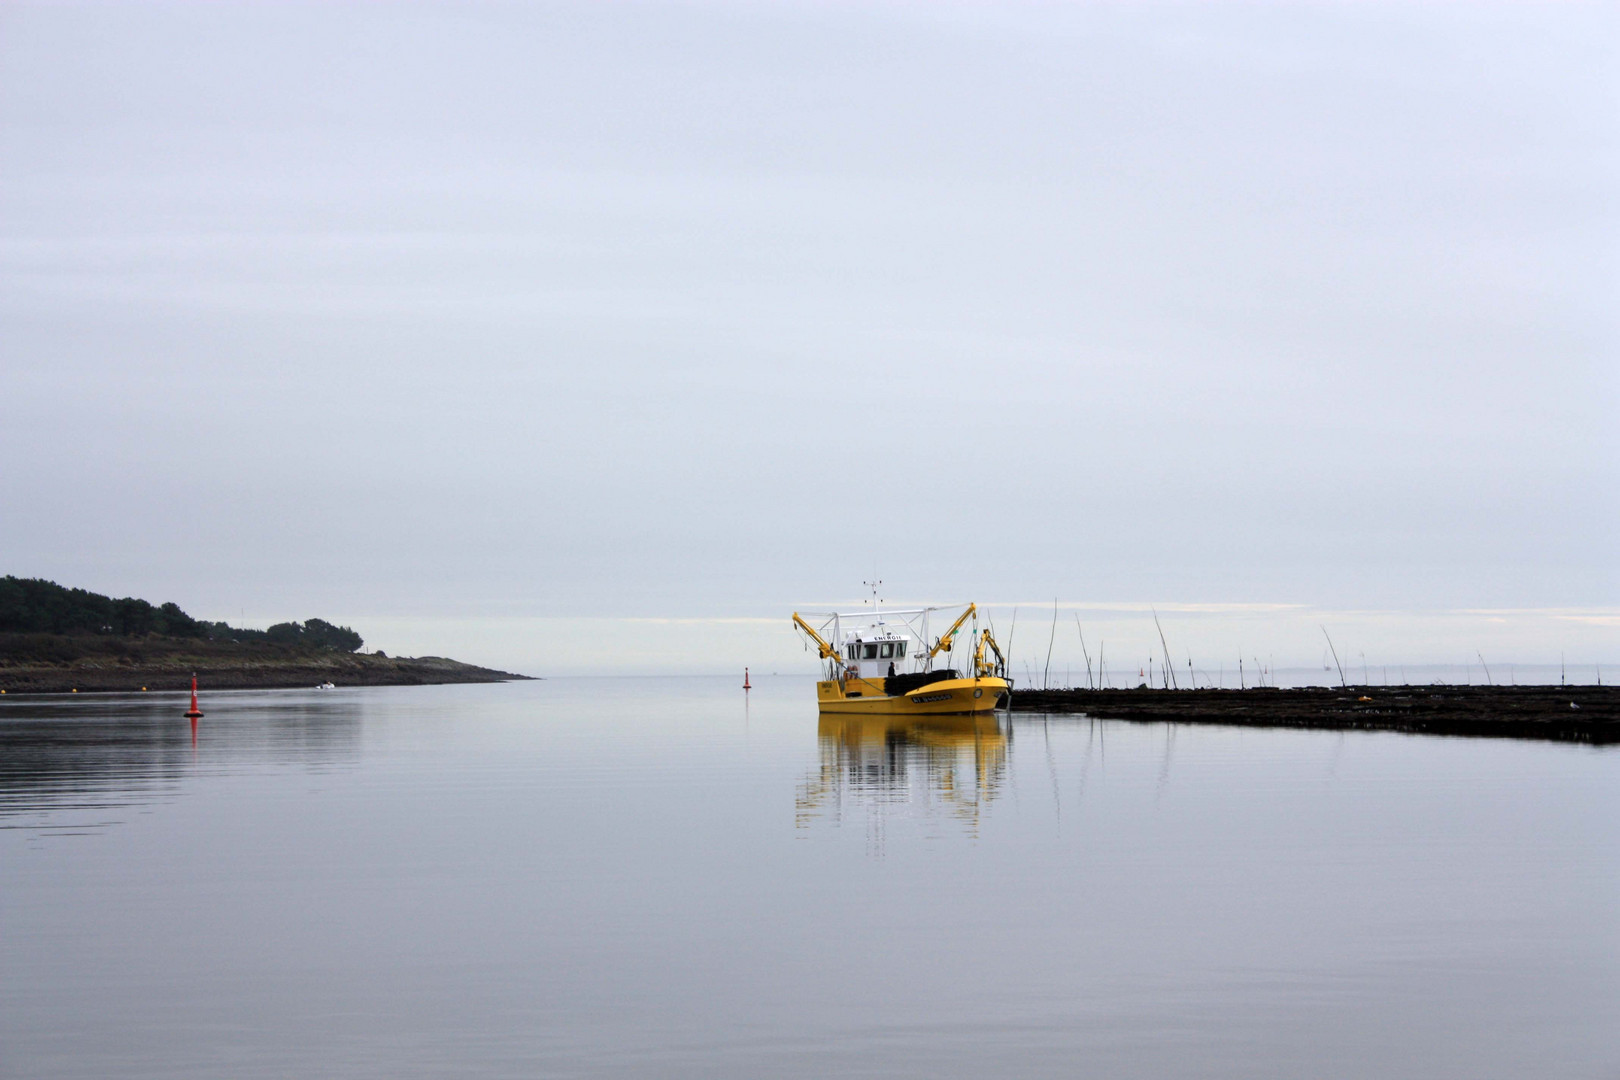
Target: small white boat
[327,686]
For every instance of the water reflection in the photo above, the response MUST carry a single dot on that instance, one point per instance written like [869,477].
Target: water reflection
[953,766]
[70,765]
[596,878]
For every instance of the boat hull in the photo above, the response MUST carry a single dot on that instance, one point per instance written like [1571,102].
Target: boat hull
[948,696]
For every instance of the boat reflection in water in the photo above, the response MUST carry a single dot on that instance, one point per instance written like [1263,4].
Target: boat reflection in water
[873,767]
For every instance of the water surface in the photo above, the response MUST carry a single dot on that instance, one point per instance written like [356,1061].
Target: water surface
[655,877]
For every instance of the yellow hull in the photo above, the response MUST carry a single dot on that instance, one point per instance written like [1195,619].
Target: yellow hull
[944,697]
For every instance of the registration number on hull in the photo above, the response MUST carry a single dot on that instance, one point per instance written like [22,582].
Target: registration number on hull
[927,699]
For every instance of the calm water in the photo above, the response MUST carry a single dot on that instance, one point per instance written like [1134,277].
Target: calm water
[645,877]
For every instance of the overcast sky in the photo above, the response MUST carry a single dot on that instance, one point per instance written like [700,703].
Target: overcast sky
[423,318]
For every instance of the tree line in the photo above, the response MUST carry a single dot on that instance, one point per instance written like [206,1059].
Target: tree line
[36,606]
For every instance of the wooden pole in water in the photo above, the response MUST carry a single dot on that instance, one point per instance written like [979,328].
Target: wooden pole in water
[1046,675]
[1084,651]
[1011,630]
[1169,667]
[1342,682]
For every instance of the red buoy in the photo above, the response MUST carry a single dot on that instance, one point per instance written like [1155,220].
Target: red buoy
[745,680]
[193,713]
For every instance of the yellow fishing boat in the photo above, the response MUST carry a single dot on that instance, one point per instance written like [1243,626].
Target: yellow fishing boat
[882,662]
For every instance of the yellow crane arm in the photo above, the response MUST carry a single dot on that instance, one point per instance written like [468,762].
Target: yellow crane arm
[979,666]
[827,651]
[944,643]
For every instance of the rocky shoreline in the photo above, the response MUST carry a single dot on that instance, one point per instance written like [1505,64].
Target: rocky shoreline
[48,664]
[1587,714]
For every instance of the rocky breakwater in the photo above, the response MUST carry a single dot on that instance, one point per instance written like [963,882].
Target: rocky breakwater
[1588,714]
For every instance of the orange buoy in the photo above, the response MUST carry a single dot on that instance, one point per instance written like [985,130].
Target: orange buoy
[193,713]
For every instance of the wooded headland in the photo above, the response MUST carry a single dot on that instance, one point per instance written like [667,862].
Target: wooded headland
[58,640]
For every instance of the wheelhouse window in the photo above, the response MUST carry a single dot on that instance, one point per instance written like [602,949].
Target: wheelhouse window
[887,650]
[900,649]
[871,650]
